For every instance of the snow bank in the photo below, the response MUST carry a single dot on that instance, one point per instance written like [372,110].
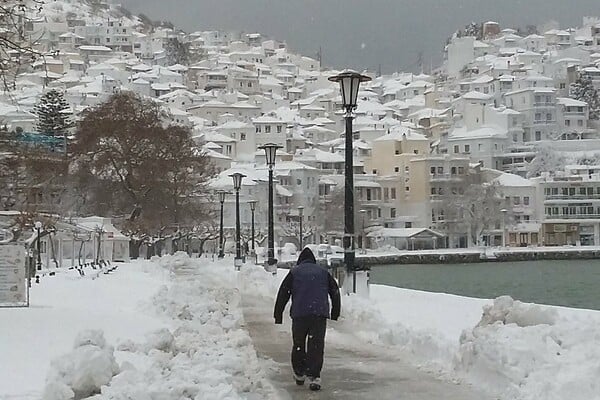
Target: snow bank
[527,351]
[84,371]
[204,354]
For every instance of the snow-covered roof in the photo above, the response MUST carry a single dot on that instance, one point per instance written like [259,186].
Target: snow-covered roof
[403,232]
[473,95]
[569,102]
[512,180]
[483,132]
[402,133]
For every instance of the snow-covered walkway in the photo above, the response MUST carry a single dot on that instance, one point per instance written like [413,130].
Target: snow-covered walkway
[365,373]
[178,328]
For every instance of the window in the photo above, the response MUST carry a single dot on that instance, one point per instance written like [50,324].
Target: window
[579,122]
[480,146]
[516,200]
[407,169]
[258,129]
[392,213]
[393,193]
[396,169]
[433,190]
[242,136]
[538,135]
[440,170]
[526,200]
[467,148]
[432,170]
[386,194]
[453,170]
[538,116]
[416,151]
[278,128]
[298,182]
[267,128]
[456,149]
[461,170]
[548,117]
[407,188]
[379,213]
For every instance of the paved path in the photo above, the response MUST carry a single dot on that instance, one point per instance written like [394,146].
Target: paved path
[347,374]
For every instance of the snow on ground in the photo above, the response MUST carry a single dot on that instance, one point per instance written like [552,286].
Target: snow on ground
[172,328]
[61,307]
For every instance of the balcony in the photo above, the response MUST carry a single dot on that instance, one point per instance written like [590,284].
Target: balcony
[445,177]
[573,216]
[574,197]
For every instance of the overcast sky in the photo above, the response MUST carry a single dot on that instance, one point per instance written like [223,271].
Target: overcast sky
[362,33]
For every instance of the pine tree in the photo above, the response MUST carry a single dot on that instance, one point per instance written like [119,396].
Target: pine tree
[177,52]
[52,120]
[583,90]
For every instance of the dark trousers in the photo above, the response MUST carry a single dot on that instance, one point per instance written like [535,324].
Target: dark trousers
[307,355]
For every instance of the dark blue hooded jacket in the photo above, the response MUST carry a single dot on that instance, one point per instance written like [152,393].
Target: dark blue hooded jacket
[309,285]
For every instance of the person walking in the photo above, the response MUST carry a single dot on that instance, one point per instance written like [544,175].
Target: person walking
[309,286]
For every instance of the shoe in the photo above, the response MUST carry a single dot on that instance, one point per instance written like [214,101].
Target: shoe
[299,379]
[314,384]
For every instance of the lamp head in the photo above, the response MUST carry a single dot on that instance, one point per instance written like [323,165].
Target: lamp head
[270,152]
[349,81]
[237,180]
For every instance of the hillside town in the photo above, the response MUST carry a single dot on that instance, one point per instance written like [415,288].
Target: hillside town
[498,146]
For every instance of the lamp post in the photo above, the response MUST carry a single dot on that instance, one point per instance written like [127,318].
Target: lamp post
[253,208]
[363,234]
[270,154]
[237,185]
[38,228]
[221,194]
[504,211]
[349,84]
[301,217]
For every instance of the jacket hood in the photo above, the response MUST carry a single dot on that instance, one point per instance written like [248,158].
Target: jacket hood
[306,256]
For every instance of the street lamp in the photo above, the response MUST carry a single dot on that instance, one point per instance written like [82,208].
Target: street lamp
[38,228]
[221,194]
[253,208]
[237,184]
[349,84]
[300,217]
[270,154]
[504,211]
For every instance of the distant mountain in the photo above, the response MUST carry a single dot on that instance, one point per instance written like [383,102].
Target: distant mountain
[399,34]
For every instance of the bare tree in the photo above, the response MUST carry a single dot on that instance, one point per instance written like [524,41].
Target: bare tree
[478,210]
[127,161]
[17,47]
